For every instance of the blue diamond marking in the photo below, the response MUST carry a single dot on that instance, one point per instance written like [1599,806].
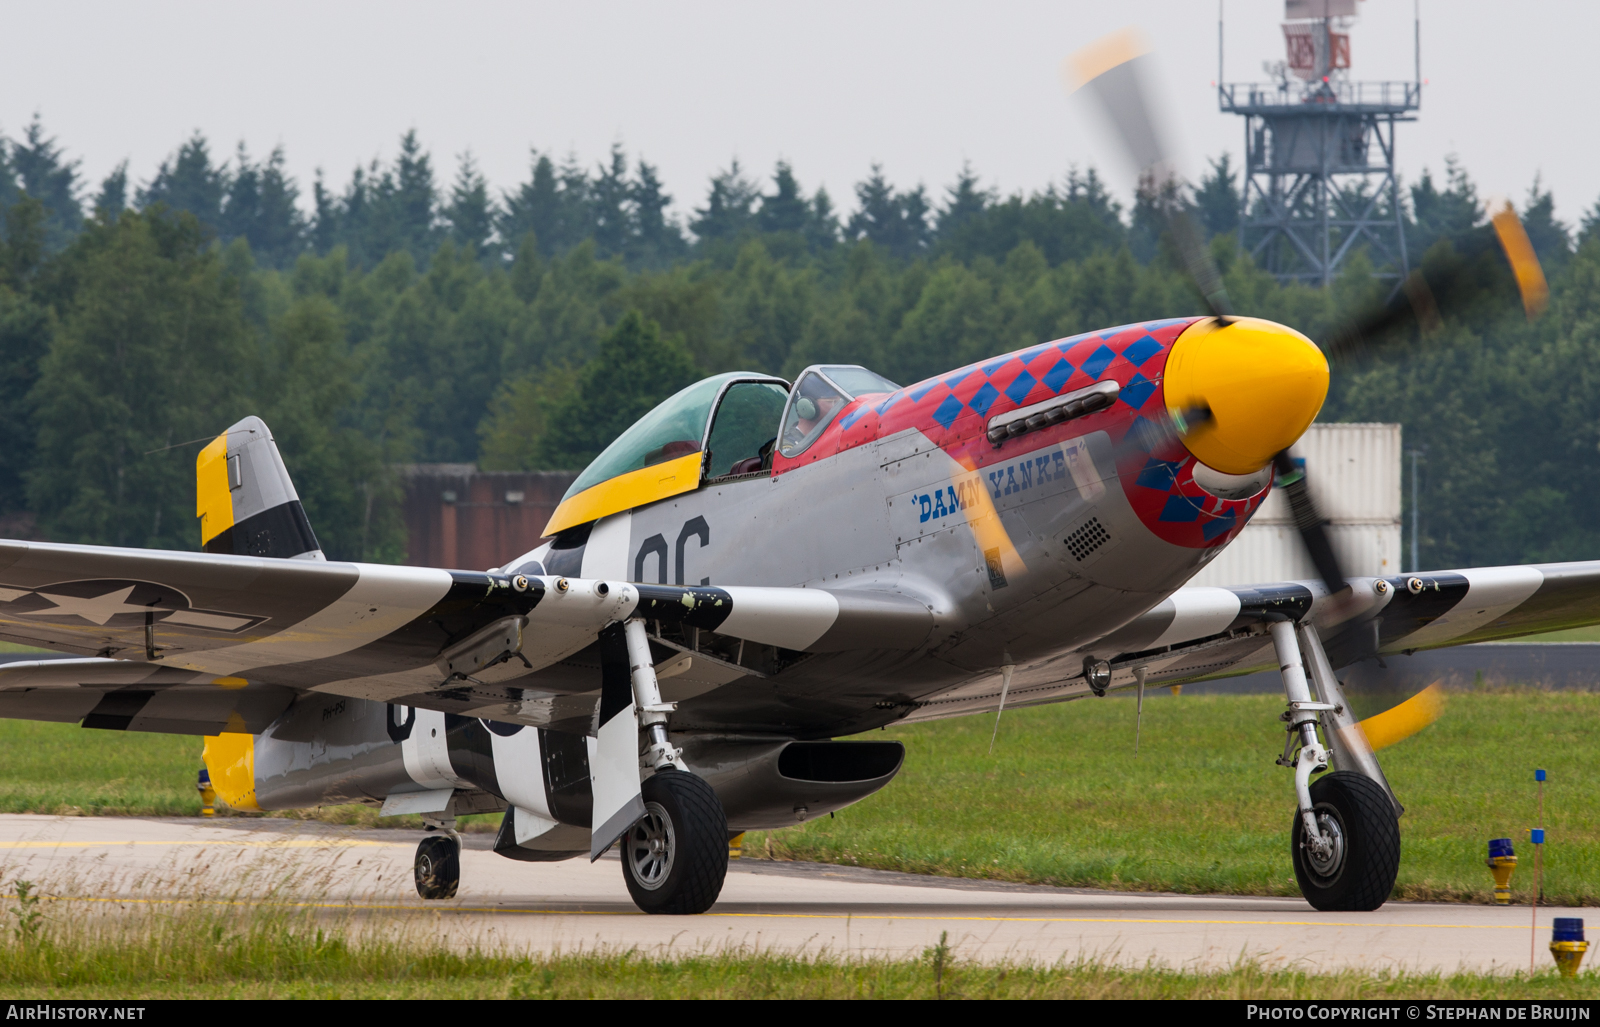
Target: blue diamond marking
[957,378]
[1137,391]
[948,411]
[1057,376]
[1218,526]
[984,398]
[1019,389]
[890,401]
[994,365]
[1098,361]
[853,416]
[1180,508]
[918,391]
[1158,475]
[1141,351]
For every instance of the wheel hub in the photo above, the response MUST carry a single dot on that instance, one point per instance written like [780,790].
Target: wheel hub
[650,847]
[1328,858]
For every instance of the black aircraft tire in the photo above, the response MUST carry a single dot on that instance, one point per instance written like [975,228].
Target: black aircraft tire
[438,867]
[685,821]
[1364,877]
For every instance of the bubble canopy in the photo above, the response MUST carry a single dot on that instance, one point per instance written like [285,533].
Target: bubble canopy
[665,452]
[658,456]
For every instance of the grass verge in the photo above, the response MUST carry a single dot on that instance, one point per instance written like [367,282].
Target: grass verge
[1202,808]
[195,950]
[1064,800]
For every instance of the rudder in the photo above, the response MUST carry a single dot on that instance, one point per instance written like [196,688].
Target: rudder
[245,501]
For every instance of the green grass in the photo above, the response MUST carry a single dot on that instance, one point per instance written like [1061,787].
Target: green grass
[195,949]
[1064,800]
[1202,808]
[68,770]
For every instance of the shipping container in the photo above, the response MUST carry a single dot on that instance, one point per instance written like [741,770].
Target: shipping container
[1273,552]
[1354,471]
[1355,476]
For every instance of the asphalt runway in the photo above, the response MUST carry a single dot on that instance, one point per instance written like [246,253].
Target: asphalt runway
[106,863]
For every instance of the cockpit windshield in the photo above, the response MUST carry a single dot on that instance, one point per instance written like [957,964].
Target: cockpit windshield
[821,393]
[672,430]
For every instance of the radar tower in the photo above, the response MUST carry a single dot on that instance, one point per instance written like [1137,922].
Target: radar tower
[1319,174]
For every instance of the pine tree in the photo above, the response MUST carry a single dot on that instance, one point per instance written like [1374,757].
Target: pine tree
[1443,214]
[610,202]
[358,216]
[241,207]
[410,201]
[785,209]
[964,203]
[1589,228]
[1551,239]
[40,171]
[656,239]
[112,199]
[470,213]
[188,181]
[896,221]
[279,235]
[822,226]
[535,207]
[326,232]
[1217,199]
[729,206]
[8,180]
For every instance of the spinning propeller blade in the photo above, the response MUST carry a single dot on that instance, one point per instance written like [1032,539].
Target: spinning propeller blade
[1113,72]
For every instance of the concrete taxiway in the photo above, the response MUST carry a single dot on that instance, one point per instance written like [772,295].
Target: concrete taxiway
[131,863]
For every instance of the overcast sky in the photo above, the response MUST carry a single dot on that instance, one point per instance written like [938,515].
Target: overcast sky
[833,87]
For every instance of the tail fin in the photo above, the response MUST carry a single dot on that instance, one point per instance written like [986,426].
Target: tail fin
[245,501]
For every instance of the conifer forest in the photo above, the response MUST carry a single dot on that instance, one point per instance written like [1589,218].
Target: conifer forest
[406,314]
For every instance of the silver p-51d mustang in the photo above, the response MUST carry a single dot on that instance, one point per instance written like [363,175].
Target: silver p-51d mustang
[751,571]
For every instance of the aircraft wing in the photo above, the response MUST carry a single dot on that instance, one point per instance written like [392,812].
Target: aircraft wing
[250,632]
[1202,632]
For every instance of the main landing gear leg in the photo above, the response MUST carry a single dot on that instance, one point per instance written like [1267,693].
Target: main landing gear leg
[675,857]
[1345,840]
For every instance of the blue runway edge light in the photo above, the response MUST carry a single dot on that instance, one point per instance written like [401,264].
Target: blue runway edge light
[1538,836]
[1538,775]
[1567,928]
[1500,847]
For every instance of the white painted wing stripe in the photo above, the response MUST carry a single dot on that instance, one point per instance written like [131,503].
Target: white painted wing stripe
[383,600]
[1200,611]
[792,618]
[1491,592]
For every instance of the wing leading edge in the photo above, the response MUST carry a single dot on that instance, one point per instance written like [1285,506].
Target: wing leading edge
[262,629]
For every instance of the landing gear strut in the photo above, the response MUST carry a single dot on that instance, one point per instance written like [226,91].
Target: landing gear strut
[675,857]
[1345,840]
